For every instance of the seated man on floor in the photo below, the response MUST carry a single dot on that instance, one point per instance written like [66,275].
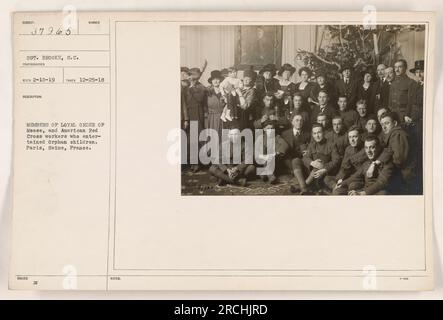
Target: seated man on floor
[277,152]
[351,161]
[321,159]
[371,178]
[231,170]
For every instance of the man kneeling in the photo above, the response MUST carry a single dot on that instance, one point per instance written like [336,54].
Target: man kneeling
[372,177]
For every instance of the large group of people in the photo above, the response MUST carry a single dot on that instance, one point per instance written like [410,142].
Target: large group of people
[356,135]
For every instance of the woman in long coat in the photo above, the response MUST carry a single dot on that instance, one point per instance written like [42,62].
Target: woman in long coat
[216,102]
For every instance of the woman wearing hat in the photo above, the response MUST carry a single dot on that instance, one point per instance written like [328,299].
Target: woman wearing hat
[367,91]
[216,103]
[249,103]
[267,81]
[304,87]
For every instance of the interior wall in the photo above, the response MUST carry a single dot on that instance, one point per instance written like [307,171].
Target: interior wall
[216,44]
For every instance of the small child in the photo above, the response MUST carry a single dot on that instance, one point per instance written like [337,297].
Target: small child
[228,86]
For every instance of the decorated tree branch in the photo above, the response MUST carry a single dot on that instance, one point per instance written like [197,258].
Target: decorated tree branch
[362,47]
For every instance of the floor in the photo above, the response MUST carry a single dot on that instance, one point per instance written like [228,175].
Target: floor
[202,183]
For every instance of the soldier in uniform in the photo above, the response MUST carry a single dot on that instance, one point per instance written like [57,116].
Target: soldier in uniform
[418,70]
[338,135]
[349,116]
[396,141]
[350,161]
[325,122]
[372,127]
[403,93]
[417,119]
[321,159]
[363,183]
[363,115]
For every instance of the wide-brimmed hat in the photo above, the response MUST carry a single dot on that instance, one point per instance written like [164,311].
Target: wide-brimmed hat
[305,69]
[419,65]
[195,70]
[215,74]
[286,67]
[346,66]
[250,74]
[184,69]
[269,67]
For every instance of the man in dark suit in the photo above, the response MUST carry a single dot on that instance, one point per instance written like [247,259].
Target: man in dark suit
[386,88]
[297,139]
[378,85]
[323,107]
[347,86]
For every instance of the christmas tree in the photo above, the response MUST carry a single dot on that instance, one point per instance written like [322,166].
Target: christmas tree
[362,47]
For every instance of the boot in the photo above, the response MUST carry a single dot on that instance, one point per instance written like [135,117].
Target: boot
[310,178]
[298,173]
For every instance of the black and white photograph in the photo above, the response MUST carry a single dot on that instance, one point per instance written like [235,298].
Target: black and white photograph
[302,109]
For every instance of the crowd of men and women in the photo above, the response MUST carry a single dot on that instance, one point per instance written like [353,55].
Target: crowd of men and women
[360,134]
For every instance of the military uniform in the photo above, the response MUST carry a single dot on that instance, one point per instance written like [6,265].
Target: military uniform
[324,151]
[404,160]
[376,184]
[340,140]
[402,96]
[349,117]
[349,165]
[361,122]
